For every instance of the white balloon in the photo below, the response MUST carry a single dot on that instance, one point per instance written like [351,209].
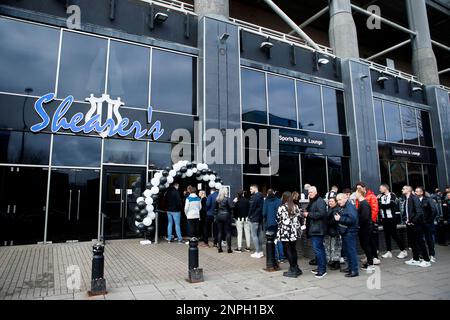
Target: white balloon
[218,185]
[136,223]
[172,173]
[205,177]
[148,200]
[200,166]
[189,173]
[169,179]
[154,182]
[166,184]
[199,178]
[194,170]
[212,177]
[149,208]
[147,193]
[158,175]
[147,221]
[183,175]
[155,190]
[152,215]
[176,167]
[211,184]
[139,199]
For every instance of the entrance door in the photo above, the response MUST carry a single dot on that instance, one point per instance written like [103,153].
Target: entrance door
[23,193]
[121,187]
[73,207]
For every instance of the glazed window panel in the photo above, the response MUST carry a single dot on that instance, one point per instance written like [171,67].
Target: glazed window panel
[409,125]
[82,68]
[379,119]
[122,151]
[309,106]
[338,172]
[173,82]
[159,155]
[333,108]
[384,173]
[128,74]
[24,147]
[314,172]
[398,176]
[253,93]
[430,177]
[393,122]
[25,65]
[424,125]
[415,175]
[281,93]
[76,151]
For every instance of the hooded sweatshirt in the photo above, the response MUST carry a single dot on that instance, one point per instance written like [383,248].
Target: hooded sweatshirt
[192,206]
[270,210]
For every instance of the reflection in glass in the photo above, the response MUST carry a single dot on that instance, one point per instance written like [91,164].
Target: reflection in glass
[424,125]
[398,176]
[253,96]
[124,151]
[76,151]
[393,124]
[281,93]
[28,57]
[159,155]
[379,119]
[314,172]
[430,177]
[309,106]
[409,123]
[174,82]
[82,67]
[128,74]
[333,109]
[384,172]
[338,172]
[24,147]
[415,175]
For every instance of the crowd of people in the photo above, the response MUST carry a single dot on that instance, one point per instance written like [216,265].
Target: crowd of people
[334,225]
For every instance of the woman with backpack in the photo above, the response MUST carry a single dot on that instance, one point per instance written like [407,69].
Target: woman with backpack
[288,219]
[223,210]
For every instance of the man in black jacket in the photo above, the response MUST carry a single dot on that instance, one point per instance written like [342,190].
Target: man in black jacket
[255,216]
[173,202]
[429,215]
[413,215]
[316,226]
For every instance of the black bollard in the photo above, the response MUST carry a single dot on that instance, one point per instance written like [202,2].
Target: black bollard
[195,273]
[271,262]
[98,283]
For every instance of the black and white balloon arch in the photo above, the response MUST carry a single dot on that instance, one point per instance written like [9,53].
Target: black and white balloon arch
[162,179]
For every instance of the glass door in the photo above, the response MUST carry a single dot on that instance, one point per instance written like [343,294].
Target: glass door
[121,187]
[23,193]
[73,207]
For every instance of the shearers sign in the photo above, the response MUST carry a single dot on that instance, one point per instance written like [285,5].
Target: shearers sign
[92,120]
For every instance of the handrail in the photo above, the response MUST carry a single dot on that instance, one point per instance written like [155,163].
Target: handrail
[390,71]
[173,5]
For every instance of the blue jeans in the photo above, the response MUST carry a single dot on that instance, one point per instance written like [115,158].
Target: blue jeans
[176,217]
[319,250]
[349,246]
[255,228]
[279,254]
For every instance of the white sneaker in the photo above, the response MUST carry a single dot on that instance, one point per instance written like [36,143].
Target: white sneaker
[187,242]
[387,255]
[412,262]
[432,259]
[403,254]
[261,254]
[376,261]
[256,255]
[425,264]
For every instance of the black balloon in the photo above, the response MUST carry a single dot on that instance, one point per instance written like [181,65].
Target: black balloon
[162,187]
[141,227]
[204,171]
[141,204]
[148,185]
[209,171]
[179,174]
[183,169]
[155,197]
[214,172]
[189,165]
[136,209]
[168,169]
[163,180]
[165,173]
[143,212]
[139,218]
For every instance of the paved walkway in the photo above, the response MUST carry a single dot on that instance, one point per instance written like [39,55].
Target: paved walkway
[133,271]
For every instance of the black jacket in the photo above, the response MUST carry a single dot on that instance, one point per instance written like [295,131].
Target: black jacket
[241,208]
[364,215]
[415,212]
[173,200]
[429,210]
[255,212]
[316,222]
[332,225]
[203,209]
[223,210]
[385,203]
